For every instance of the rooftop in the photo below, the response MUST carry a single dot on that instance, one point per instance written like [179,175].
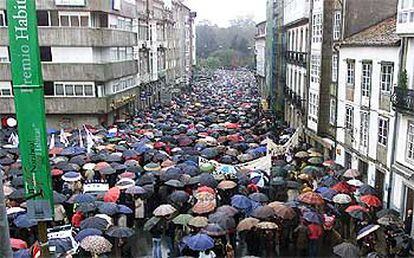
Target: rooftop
[380,34]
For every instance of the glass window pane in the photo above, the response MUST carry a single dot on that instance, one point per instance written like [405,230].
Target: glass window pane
[59,90]
[74,21]
[79,90]
[69,90]
[64,21]
[84,21]
[88,90]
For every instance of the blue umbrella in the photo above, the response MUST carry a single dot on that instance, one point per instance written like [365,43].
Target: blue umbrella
[52,131]
[207,179]
[120,232]
[312,217]
[241,202]
[71,176]
[124,209]
[73,151]
[62,245]
[23,221]
[84,198]
[321,189]
[135,190]
[200,242]
[329,194]
[24,253]
[329,181]
[87,232]
[108,208]
[94,222]
[367,189]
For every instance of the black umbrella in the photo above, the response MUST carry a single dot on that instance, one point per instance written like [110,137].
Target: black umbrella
[223,220]
[120,232]
[58,197]
[94,222]
[61,245]
[214,230]
[179,197]
[259,197]
[174,183]
[17,194]
[263,212]
[207,179]
[86,207]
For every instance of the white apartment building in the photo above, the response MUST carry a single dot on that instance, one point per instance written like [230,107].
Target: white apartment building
[296,25]
[368,71]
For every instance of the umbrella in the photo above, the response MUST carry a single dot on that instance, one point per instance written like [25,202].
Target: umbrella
[123,209]
[206,189]
[259,197]
[84,198]
[226,184]
[58,197]
[367,230]
[125,183]
[200,242]
[389,220]
[311,198]
[267,225]
[214,230]
[164,210]
[108,208]
[17,243]
[342,199]
[174,183]
[385,212]
[120,232]
[15,210]
[241,202]
[227,209]
[366,190]
[96,244]
[371,200]
[151,223]
[315,160]
[94,222]
[179,197]
[351,173]
[247,224]
[346,250]
[263,212]
[86,207]
[222,219]
[343,187]
[112,195]
[355,182]
[329,194]
[329,181]
[198,222]
[312,217]
[23,221]
[135,190]
[152,167]
[87,232]
[182,219]
[23,253]
[302,154]
[61,245]
[17,194]
[208,180]
[71,176]
[203,207]
[283,211]
[356,208]
[56,172]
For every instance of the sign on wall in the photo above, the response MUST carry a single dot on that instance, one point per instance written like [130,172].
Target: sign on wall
[70,2]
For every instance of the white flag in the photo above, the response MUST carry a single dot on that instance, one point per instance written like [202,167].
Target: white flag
[89,139]
[52,142]
[63,138]
[14,139]
[80,139]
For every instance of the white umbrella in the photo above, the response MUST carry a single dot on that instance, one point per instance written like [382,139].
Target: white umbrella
[367,230]
[342,199]
[355,182]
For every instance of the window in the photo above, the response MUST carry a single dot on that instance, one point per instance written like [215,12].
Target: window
[364,129]
[143,32]
[332,112]
[334,67]
[43,18]
[387,71]
[313,107]
[349,119]
[123,84]
[74,19]
[46,54]
[5,89]
[4,54]
[317,28]
[315,68]
[3,19]
[337,25]
[410,142]
[120,53]
[74,89]
[49,88]
[366,79]
[382,131]
[350,74]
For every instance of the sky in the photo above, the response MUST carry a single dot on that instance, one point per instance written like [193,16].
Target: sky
[221,11]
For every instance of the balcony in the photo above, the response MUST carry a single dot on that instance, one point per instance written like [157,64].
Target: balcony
[297,58]
[79,37]
[80,72]
[403,100]
[294,99]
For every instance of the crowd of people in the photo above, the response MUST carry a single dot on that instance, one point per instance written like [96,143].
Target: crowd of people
[145,173]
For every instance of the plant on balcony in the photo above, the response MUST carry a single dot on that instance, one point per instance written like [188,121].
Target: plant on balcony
[403,79]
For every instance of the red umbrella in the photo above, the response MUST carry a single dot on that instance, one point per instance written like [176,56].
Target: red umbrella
[311,198]
[343,187]
[235,138]
[112,195]
[102,165]
[371,200]
[18,243]
[355,208]
[159,145]
[56,172]
[206,189]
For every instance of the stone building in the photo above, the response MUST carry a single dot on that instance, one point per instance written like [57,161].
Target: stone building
[103,60]
[260,51]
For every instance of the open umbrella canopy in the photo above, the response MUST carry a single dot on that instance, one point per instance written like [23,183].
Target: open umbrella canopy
[108,208]
[214,230]
[135,190]
[241,202]
[343,187]
[151,223]
[311,198]
[179,197]
[283,211]
[226,184]
[351,173]
[267,225]
[227,209]
[182,219]
[94,222]
[18,243]
[87,232]
[259,197]
[198,222]
[371,200]
[342,199]
[346,250]
[366,231]
[263,212]
[120,232]
[112,195]
[23,221]
[222,219]
[367,190]
[247,224]
[200,242]
[96,244]
[312,217]
[164,210]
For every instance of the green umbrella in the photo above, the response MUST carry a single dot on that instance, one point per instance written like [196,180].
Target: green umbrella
[152,222]
[182,219]
[207,167]
[279,172]
[315,161]
[311,170]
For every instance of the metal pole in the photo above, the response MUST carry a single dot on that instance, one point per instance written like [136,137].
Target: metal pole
[5,248]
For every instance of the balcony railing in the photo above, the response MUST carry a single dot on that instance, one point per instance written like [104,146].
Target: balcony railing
[297,58]
[294,98]
[403,99]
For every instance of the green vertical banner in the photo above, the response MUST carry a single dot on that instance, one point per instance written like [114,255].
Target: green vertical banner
[30,107]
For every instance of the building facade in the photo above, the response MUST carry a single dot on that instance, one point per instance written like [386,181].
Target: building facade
[402,183]
[368,70]
[103,60]
[260,52]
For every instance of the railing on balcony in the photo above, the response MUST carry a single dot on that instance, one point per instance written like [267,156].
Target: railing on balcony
[294,98]
[297,58]
[403,99]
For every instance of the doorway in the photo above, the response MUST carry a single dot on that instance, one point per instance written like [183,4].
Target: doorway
[379,183]
[363,169]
